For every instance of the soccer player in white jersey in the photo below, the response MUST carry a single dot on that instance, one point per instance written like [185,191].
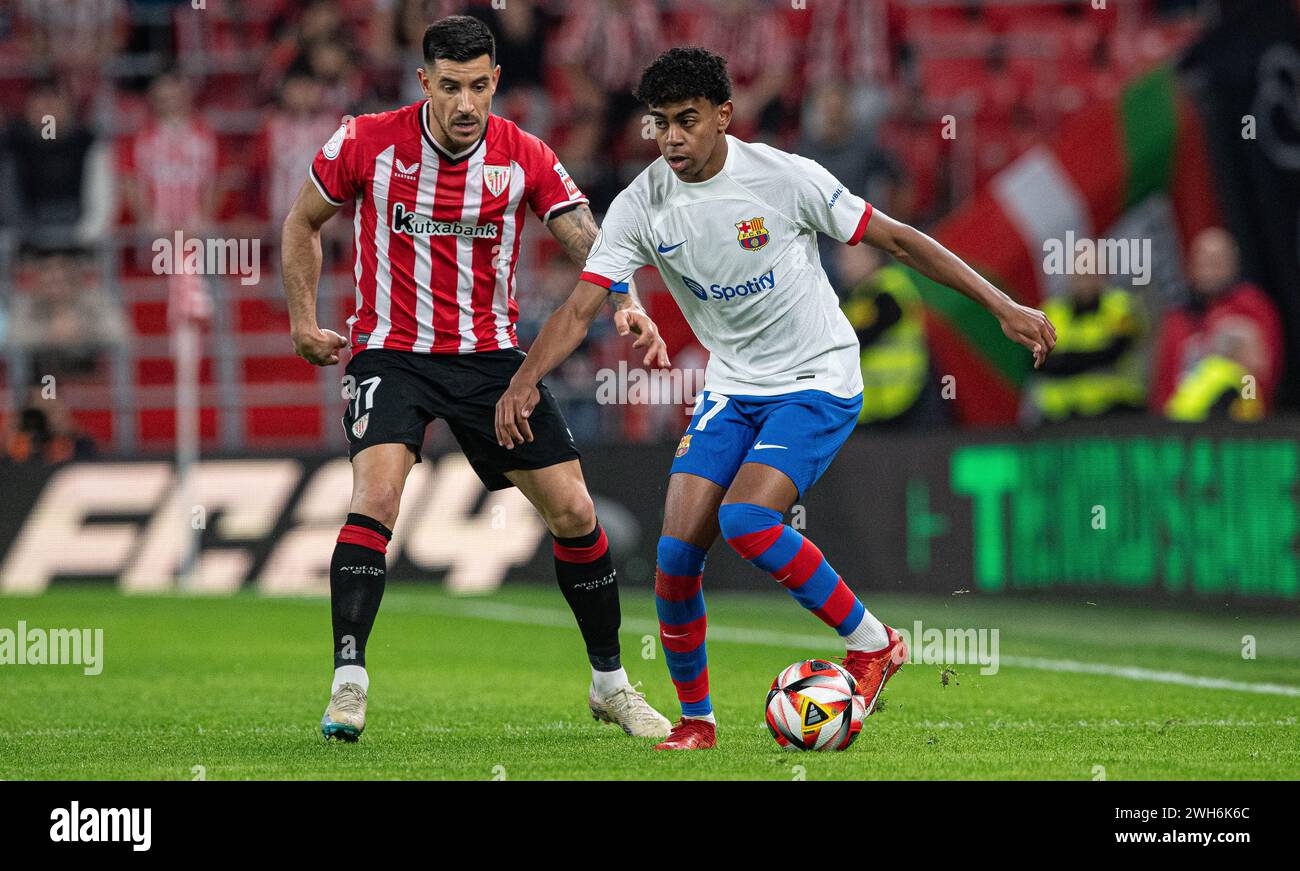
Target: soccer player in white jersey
[731,227]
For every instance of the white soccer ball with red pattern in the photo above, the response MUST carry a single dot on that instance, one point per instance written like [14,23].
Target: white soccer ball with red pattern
[814,705]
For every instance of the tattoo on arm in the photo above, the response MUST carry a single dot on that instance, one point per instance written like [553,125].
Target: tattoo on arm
[575,230]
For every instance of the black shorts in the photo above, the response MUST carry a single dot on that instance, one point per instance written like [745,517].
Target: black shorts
[397,394]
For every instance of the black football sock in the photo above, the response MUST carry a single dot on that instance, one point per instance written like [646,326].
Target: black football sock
[357,574]
[585,572]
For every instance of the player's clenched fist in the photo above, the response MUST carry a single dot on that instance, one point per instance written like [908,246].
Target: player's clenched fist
[1029,327]
[629,320]
[513,409]
[318,347]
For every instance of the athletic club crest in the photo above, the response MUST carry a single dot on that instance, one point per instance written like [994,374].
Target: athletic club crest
[496,178]
[359,428]
[683,446]
[752,235]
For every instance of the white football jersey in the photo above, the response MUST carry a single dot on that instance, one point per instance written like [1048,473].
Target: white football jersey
[739,253]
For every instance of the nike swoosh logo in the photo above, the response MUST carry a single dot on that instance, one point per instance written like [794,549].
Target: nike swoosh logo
[665,249]
[759,446]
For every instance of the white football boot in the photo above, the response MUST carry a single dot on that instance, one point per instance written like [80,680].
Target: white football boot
[345,718]
[629,710]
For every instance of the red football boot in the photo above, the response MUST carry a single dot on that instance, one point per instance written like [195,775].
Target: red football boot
[872,669]
[690,734]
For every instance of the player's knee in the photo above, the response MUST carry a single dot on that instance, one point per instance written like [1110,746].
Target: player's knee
[572,516]
[679,564]
[742,522]
[380,500]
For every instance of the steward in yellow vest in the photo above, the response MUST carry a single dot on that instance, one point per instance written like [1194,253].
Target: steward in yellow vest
[1220,384]
[1213,389]
[1093,370]
[888,315]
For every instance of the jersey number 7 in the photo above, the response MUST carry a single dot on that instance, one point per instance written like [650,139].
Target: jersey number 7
[719,402]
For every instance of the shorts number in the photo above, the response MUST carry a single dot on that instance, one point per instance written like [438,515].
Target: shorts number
[719,402]
[368,394]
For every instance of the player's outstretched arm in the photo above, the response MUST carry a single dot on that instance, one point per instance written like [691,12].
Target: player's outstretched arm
[300,259]
[576,231]
[1023,325]
[560,336]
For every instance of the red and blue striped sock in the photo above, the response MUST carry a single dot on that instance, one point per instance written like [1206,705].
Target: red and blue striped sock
[758,535]
[682,623]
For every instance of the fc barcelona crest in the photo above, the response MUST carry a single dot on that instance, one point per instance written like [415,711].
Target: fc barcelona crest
[752,234]
[683,446]
[496,178]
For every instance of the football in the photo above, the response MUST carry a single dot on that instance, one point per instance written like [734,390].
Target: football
[814,705]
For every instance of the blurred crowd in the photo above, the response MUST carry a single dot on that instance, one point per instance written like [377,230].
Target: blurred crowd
[129,121]
[1216,353]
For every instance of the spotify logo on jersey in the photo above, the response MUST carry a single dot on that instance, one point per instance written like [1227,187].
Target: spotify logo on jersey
[757,284]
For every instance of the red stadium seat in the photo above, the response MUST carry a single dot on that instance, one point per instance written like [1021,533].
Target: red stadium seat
[284,369]
[154,371]
[95,423]
[158,426]
[283,424]
[261,316]
[149,318]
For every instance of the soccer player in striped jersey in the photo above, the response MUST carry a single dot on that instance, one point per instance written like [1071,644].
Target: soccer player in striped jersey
[732,228]
[440,189]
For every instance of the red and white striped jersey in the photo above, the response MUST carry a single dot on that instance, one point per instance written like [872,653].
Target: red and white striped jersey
[437,234]
[177,166]
[287,141]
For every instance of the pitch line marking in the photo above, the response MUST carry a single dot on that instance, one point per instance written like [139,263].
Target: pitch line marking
[532,616]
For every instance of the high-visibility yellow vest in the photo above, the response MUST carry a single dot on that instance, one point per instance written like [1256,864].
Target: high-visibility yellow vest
[1202,387]
[894,367]
[1091,393]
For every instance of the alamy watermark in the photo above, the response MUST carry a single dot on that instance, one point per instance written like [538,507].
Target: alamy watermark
[952,646]
[35,646]
[180,255]
[626,386]
[128,825]
[1085,256]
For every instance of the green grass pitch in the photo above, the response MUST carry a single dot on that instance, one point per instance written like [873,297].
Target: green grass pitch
[495,687]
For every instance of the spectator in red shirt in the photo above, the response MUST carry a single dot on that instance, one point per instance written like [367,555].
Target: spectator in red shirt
[302,27]
[291,136]
[79,34]
[169,170]
[1221,302]
[599,49]
[763,59]
[333,65]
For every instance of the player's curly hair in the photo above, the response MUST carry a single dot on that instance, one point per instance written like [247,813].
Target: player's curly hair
[681,74]
[458,38]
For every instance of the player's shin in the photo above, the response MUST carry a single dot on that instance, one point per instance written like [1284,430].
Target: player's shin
[679,602]
[357,573]
[586,575]
[759,536]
